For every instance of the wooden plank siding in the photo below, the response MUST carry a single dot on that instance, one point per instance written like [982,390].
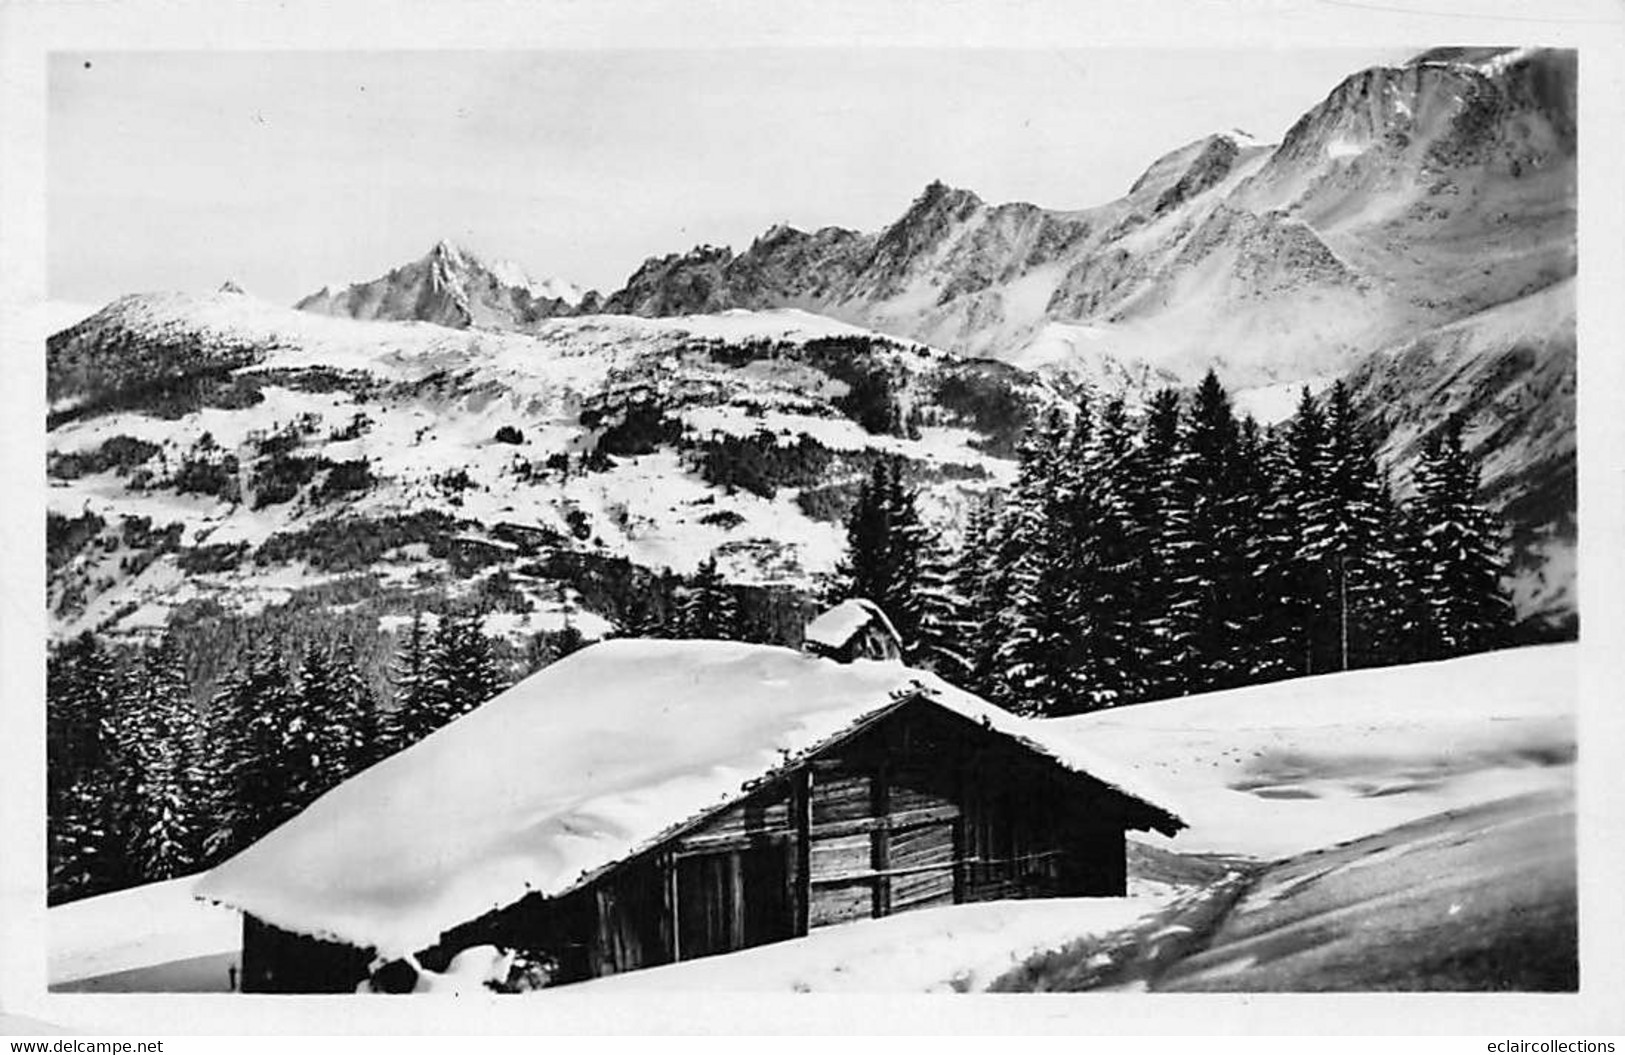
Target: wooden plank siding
[918,809]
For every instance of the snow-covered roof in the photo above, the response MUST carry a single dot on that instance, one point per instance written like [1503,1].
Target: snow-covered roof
[574,769]
[835,628]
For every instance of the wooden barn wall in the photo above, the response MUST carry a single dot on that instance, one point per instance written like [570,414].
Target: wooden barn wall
[925,809]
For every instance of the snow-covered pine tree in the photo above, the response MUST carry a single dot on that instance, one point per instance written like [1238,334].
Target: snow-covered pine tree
[335,702]
[410,720]
[79,700]
[1305,583]
[885,539]
[975,599]
[160,737]
[940,647]
[644,616]
[462,671]
[1160,510]
[256,772]
[1112,473]
[1344,539]
[709,610]
[1277,643]
[85,835]
[1011,557]
[1207,546]
[1459,558]
[1251,608]
[1045,655]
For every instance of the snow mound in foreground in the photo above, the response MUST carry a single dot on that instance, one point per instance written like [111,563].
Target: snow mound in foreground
[141,927]
[961,948]
[1272,770]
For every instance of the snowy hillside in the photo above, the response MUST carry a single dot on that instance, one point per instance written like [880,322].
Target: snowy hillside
[454,456]
[1276,769]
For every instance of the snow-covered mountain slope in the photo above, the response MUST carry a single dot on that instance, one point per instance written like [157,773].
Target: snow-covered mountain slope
[1510,370]
[218,450]
[1410,197]
[452,286]
[1415,231]
[1272,770]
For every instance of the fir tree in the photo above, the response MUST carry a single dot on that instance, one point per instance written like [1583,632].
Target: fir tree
[1279,643]
[86,837]
[1457,558]
[463,671]
[708,609]
[411,720]
[644,618]
[885,545]
[1206,547]
[1113,471]
[260,770]
[160,747]
[1044,657]
[976,601]
[335,701]
[1160,512]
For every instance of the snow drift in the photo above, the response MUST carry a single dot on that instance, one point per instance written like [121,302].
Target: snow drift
[1277,769]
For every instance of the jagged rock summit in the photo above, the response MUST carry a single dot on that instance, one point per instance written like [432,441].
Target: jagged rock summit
[453,286]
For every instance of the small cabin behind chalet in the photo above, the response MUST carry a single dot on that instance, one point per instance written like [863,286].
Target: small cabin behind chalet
[855,629]
[643,802]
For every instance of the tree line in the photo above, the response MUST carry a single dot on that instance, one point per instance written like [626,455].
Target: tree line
[146,782]
[1182,551]
[1187,551]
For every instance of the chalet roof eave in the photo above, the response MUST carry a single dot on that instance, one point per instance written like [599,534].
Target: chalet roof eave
[1159,819]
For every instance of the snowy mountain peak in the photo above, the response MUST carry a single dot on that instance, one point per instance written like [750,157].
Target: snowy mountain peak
[452,285]
[779,232]
[229,286]
[940,197]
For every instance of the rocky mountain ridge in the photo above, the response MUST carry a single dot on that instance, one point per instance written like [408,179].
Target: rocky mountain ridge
[452,286]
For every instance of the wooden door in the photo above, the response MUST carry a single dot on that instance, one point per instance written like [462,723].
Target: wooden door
[732,899]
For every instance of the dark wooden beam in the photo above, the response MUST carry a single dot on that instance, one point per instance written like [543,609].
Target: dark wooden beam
[801,814]
[668,897]
[895,821]
[880,839]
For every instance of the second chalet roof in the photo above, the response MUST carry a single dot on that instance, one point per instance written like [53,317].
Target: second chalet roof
[575,768]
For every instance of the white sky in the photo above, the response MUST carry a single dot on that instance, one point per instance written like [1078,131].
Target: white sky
[288,170]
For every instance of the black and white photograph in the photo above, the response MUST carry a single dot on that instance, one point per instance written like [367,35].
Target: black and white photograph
[922,519]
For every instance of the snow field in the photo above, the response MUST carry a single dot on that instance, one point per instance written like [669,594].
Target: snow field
[1277,769]
[141,927]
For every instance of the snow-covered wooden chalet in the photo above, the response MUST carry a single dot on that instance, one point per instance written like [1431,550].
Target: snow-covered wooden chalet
[642,802]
